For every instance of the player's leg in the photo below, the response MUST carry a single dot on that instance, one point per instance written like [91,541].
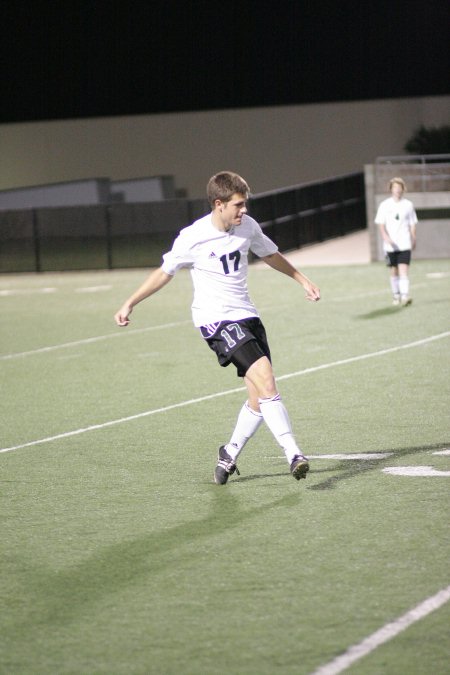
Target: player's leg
[395,287]
[403,270]
[251,356]
[248,422]
[249,419]
[260,380]
[235,343]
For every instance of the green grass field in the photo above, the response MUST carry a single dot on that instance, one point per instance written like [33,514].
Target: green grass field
[119,555]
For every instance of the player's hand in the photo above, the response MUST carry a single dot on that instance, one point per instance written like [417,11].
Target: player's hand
[312,292]
[122,317]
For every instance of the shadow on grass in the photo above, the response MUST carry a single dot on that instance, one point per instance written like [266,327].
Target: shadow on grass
[60,597]
[378,313]
[236,480]
[349,468]
[257,476]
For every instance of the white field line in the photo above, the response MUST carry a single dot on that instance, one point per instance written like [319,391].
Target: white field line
[384,634]
[182,404]
[354,455]
[353,359]
[30,291]
[348,456]
[130,418]
[98,338]
[93,289]
[416,471]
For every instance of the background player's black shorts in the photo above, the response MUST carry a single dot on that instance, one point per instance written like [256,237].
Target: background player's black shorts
[396,258]
[239,342]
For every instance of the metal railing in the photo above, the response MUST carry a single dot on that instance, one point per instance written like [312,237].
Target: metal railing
[421,173]
[312,212]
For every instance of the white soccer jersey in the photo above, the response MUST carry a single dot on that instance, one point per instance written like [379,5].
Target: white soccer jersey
[398,217]
[219,264]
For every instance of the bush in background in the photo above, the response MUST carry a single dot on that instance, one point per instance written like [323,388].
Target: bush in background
[429,141]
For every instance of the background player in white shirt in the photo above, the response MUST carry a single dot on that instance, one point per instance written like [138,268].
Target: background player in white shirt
[397,220]
[215,248]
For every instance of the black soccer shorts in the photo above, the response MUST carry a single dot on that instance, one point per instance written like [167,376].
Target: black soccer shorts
[396,258]
[239,342]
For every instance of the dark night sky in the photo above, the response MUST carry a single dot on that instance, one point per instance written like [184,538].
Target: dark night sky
[91,58]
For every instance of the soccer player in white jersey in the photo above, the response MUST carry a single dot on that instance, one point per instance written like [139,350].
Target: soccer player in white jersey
[215,248]
[397,220]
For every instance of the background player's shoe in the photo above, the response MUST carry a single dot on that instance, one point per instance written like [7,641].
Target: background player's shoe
[396,299]
[299,467]
[405,301]
[226,466]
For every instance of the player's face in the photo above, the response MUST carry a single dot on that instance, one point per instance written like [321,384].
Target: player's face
[397,190]
[231,212]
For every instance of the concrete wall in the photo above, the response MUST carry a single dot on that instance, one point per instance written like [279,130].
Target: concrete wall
[89,191]
[81,192]
[271,147]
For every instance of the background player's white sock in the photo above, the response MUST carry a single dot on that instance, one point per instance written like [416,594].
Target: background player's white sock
[395,285]
[404,286]
[277,419]
[248,422]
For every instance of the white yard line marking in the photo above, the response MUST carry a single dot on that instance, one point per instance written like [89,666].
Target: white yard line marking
[93,289]
[98,338]
[384,634]
[362,357]
[437,275]
[17,291]
[350,456]
[355,455]
[182,404]
[111,423]
[421,471]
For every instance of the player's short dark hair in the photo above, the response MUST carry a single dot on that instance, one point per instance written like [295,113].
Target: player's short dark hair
[224,185]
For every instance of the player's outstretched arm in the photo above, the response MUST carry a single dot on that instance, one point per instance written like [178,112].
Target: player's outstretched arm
[278,262]
[154,282]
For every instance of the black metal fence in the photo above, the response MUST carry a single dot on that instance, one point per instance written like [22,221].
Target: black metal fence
[305,214]
[136,235]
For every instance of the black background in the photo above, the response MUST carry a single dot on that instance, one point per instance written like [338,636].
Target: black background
[77,59]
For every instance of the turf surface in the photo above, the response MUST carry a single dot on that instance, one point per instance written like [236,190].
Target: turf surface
[120,555]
